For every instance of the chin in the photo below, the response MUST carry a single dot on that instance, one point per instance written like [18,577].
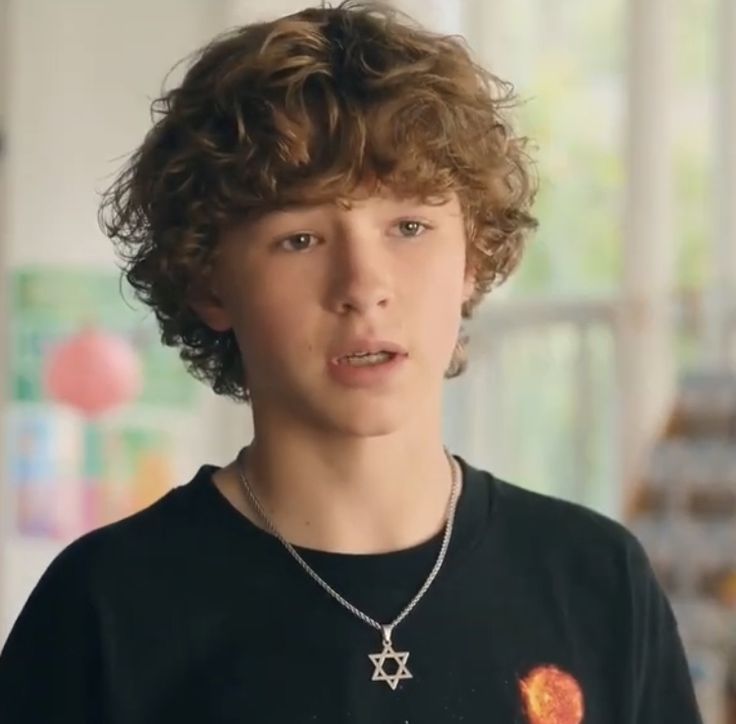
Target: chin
[373,428]
[363,417]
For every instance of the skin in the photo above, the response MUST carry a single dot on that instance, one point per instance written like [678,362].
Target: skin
[337,468]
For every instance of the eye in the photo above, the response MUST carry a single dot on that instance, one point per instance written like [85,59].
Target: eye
[297,242]
[411,227]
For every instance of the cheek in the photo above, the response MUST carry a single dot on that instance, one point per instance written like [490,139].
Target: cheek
[282,324]
[441,307]
[442,319]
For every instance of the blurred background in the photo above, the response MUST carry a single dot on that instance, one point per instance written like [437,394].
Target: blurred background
[604,372]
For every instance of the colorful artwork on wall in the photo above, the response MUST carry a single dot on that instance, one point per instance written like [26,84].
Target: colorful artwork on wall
[90,384]
[49,305]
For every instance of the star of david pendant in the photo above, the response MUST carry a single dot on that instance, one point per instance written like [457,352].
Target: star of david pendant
[388,654]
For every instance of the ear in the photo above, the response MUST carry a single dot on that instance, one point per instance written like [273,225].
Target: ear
[209,307]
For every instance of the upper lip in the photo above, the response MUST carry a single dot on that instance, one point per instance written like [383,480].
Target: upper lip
[369,346]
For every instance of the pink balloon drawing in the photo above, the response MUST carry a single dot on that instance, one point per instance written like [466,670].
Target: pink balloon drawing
[93,371]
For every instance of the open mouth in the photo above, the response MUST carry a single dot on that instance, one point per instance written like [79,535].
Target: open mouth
[366,359]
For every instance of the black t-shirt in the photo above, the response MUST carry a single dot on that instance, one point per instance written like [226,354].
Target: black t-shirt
[543,613]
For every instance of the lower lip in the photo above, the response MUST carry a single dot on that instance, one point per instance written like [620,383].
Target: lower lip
[368,375]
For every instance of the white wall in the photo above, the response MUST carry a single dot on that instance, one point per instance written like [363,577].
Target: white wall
[81,75]
[4,35]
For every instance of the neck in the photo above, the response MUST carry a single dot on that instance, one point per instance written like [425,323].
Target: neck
[363,495]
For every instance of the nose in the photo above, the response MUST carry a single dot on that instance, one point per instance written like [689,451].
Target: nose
[361,276]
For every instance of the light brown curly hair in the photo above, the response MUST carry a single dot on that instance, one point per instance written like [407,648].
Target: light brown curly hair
[307,108]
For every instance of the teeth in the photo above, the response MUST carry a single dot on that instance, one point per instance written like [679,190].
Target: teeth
[365,358]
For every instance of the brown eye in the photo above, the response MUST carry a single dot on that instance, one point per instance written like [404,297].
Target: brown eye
[411,227]
[297,242]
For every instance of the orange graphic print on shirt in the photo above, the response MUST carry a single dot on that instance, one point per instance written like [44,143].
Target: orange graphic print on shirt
[551,696]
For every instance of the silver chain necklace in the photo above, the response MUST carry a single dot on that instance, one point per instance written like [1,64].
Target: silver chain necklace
[387,653]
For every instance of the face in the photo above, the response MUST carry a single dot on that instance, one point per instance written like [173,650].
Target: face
[301,286]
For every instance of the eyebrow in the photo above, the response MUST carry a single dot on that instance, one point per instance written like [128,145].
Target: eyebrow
[349,205]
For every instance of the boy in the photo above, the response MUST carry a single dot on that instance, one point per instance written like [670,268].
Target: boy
[317,206]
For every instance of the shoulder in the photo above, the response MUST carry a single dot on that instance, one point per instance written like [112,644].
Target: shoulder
[595,571]
[551,515]
[569,538]
[150,538]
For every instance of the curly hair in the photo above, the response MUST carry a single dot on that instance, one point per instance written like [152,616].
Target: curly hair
[307,108]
